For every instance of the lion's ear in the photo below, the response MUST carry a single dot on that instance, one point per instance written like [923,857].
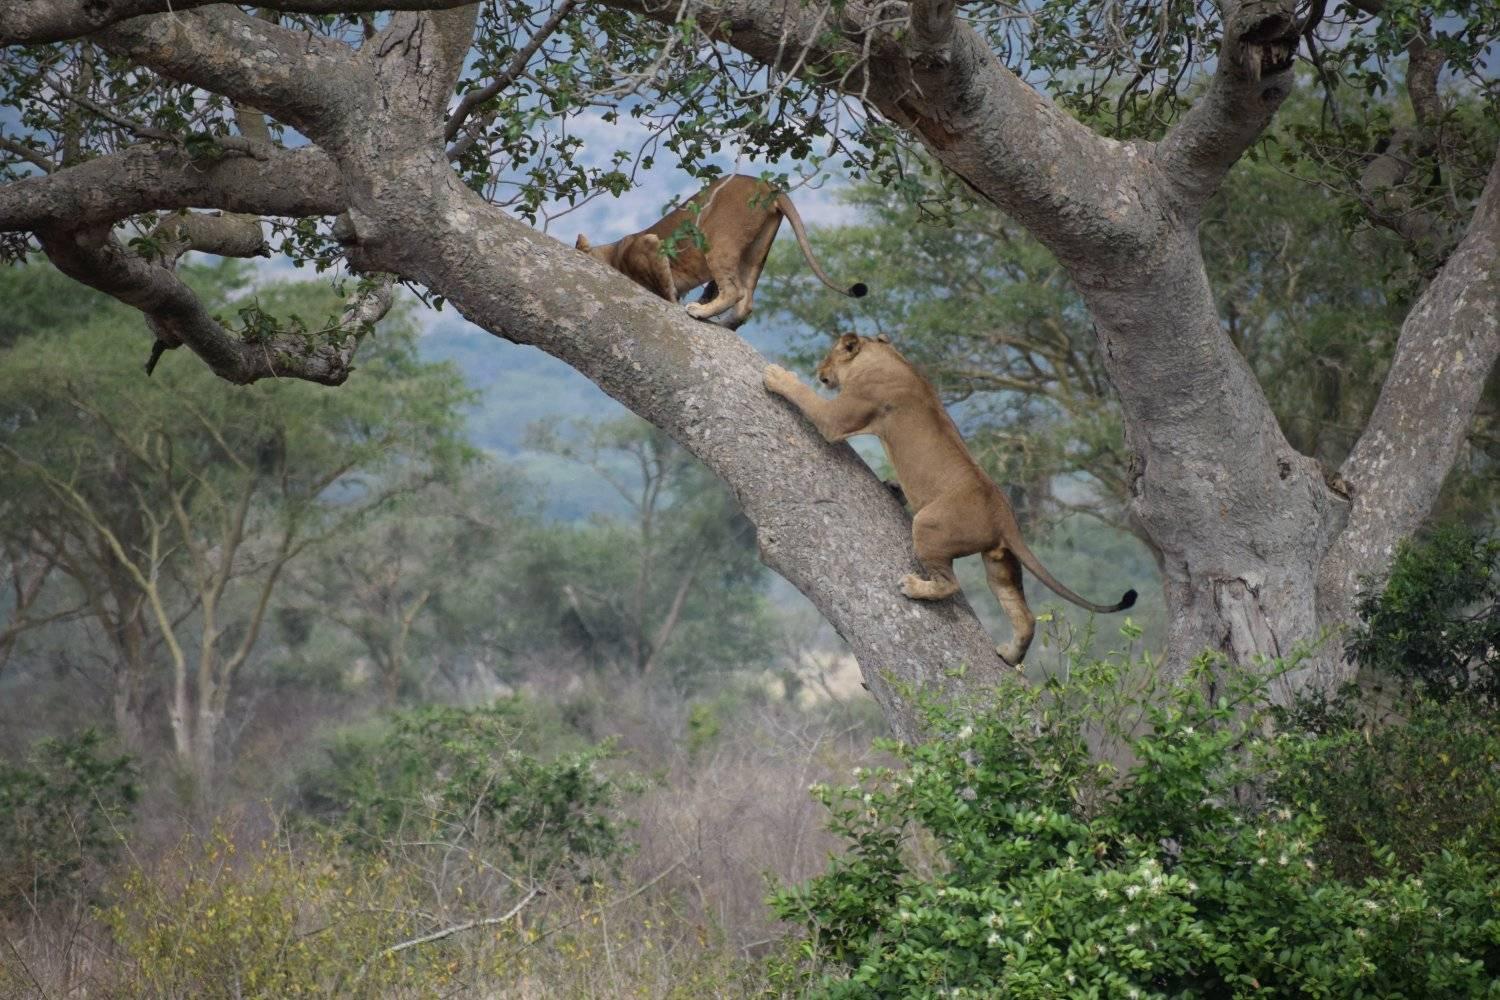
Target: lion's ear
[850,343]
[882,338]
[582,243]
[650,242]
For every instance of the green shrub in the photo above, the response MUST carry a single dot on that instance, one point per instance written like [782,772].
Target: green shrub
[1395,788]
[315,922]
[1004,859]
[458,778]
[60,809]
[1436,622]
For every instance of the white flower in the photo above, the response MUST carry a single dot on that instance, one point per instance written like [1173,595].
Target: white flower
[1132,928]
[995,920]
[1192,887]
[993,939]
[1188,730]
[1101,893]
[904,916]
[1070,977]
[1361,933]
[1102,951]
[1260,861]
[1133,993]
[966,732]
[1282,860]
[1131,891]
[1370,905]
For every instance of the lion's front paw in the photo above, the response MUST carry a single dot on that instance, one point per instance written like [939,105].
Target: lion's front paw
[913,586]
[778,380]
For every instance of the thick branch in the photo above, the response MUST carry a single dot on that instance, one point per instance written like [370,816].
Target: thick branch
[307,81]
[176,315]
[30,22]
[822,519]
[1091,201]
[286,182]
[1253,77]
[1447,349]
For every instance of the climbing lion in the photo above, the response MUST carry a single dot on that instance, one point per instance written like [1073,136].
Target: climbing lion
[958,508]
[738,217]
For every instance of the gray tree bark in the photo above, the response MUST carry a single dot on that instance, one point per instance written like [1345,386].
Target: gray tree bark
[1259,553]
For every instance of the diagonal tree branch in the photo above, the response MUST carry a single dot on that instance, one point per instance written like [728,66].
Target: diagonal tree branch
[1447,349]
[1253,77]
[313,83]
[1091,201]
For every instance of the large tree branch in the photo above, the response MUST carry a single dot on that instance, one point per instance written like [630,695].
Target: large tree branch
[1446,351]
[822,519]
[176,316]
[1252,78]
[274,181]
[312,83]
[31,22]
[1090,200]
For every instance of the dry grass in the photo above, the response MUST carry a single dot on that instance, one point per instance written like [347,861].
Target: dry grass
[724,811]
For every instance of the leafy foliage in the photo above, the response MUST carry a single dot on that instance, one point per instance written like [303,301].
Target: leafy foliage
[1436,622]
[458,779]
[674,586]
[1397,785]
[1002,857]
[63,807]
[275,924]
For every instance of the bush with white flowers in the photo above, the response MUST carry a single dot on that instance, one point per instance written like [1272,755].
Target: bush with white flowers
[1006,857]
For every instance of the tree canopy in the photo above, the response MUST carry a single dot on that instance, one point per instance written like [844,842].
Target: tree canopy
[402,138]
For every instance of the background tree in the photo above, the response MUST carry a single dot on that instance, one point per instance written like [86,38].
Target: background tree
[674,582]
[1261,554]
[172,510]
[393,582]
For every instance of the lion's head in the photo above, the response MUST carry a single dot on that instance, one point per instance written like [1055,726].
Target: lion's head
[844,353]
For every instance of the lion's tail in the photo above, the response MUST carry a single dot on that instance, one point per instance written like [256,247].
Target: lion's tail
[856,290]
[1031,562]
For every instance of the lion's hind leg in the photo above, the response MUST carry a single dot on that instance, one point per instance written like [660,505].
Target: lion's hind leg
[729,295]
[1002,570]
[938,537]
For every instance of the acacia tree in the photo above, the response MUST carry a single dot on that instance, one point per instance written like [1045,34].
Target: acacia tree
[411,120]
[168,516]
[642,588]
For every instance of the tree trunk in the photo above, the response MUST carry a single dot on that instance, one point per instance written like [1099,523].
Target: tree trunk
[1259,552]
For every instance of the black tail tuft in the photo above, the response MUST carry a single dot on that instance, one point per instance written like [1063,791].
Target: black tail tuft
[858,290]
[1128,601]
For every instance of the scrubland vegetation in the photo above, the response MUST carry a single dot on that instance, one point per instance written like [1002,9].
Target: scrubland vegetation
[310,692]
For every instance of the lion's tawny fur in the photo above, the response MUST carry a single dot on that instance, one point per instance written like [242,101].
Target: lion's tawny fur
[737,217]
[958,509]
